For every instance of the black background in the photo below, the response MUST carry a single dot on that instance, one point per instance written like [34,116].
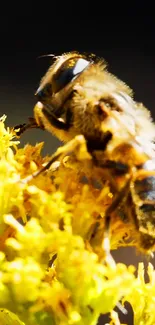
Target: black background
[122,32]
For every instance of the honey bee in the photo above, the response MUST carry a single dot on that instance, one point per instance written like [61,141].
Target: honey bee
[78,96]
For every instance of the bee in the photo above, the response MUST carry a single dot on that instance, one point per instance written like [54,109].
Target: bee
[79,98]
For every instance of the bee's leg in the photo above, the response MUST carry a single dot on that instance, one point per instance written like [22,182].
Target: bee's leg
[106,244]
[106,240]
[77,145]
[21,128]
[109,260]
[112,170]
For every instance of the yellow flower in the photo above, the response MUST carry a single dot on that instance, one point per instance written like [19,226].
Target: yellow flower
[52,267]
[142,297]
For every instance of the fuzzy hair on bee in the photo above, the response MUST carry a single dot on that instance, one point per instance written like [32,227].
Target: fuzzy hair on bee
[79,96]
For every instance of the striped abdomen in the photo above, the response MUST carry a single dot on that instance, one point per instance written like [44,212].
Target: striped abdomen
[143,206]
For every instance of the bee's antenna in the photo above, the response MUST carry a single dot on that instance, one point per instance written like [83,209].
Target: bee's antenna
[46,55]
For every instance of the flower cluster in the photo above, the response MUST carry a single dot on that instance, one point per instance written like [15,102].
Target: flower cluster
[52,269]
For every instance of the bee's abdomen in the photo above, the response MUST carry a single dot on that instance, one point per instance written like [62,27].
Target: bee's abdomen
[143,197]
[145,188]
[147,213]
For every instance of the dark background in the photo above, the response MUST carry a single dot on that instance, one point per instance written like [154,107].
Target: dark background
[123,33]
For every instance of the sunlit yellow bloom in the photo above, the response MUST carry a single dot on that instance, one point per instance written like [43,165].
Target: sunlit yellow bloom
[52,269]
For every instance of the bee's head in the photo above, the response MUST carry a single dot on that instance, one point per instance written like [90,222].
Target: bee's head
[65,69]
[57,86]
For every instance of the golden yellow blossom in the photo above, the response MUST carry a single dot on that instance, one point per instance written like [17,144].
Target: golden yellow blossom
[52,269]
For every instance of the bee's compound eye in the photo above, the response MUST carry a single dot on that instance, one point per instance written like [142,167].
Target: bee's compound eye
[44,92]
[67,72]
